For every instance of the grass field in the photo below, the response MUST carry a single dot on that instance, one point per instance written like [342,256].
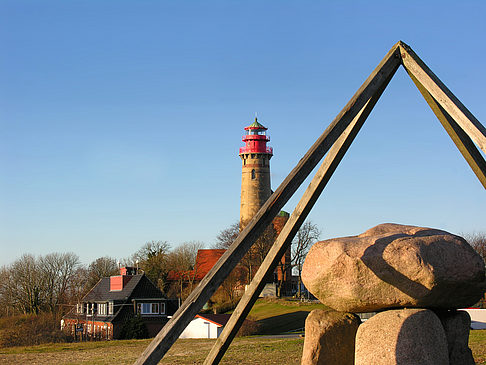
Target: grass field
[244,350]
[275,316]
[278,316]
[477,343]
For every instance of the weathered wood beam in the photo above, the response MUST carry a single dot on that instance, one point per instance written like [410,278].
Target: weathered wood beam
[284,240]
[462,141]
[443,96]
[211,282]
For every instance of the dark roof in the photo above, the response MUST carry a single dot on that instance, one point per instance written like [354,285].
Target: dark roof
[219,319]
[137,287]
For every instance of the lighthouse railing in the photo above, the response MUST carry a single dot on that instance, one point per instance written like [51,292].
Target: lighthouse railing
[245,149]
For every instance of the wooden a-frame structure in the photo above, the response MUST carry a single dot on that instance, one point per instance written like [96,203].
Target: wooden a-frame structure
[464,129]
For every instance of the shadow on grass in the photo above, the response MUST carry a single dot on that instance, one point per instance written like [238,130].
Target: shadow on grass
[283,323]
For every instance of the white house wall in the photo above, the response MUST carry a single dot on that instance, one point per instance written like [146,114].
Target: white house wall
[478,318]
[200,328]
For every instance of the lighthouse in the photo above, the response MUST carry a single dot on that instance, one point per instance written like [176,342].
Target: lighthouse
[255,190]
[255,176]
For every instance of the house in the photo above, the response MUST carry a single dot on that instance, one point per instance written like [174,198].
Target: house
[113,301]
[183,281]
[206,326]
[205,260]
[478,318]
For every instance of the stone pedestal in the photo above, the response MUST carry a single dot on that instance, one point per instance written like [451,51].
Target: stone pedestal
[329,338]
[402,337]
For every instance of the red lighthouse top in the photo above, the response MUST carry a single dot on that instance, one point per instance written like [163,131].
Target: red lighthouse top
[256,139]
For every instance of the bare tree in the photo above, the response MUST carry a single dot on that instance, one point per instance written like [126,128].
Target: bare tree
[99,268]
[23,285]
[227,236]
[255,256]
[182,260]
[6,307]
[153,259]
[303,240]
[478,241]
[78,287]
[57,271]
[31,284]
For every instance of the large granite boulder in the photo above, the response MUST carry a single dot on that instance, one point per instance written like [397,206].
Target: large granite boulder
[402,337]
[392,266]
[329,338]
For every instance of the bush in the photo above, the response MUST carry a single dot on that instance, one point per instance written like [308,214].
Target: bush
[249,328]
[134,328]
[218,308]
[31,329]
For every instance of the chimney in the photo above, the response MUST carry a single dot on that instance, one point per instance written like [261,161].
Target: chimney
[118,282]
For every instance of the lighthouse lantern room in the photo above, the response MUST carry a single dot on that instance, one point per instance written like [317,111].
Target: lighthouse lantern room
[256,139]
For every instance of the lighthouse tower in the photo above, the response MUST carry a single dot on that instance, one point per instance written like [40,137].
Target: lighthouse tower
[255,177]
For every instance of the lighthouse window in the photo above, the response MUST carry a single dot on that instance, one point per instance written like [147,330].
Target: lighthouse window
[253,175]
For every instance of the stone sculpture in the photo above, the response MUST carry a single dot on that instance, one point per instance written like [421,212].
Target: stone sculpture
[394,266]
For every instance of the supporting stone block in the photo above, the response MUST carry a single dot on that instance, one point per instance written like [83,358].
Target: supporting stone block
[329,338]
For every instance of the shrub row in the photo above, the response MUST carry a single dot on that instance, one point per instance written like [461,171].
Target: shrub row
[31,329]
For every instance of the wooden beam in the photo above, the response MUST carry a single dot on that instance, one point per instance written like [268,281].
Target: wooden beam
[443,96]
[284,240]
[211,282]
[458,136]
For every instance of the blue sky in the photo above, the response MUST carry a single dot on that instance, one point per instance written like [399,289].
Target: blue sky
[120,122]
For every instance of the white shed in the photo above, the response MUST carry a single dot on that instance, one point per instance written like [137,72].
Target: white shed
[478,318]
[205,326]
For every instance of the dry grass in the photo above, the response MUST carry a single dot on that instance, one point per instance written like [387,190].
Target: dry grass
[276,316]
[244,350]
[30,329]
[477,343]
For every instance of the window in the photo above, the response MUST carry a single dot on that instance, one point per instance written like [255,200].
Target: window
[91,309]
[253,174]
[80,308]
[110,308]
[149,308]
[102,309]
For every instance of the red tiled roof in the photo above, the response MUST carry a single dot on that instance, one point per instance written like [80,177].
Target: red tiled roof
[205,260]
